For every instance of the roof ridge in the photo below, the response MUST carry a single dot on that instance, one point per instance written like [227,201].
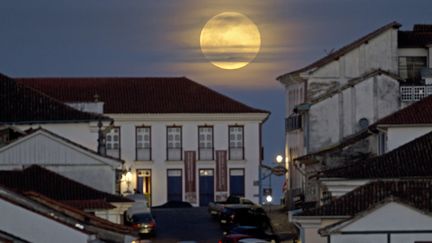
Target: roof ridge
[73,143]
[142,95]
[227,97]
[344,49]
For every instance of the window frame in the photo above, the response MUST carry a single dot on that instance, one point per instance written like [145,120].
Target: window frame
[212,147]
[119,140]
[229,142]
[409,79]
[181,143]
[136,142]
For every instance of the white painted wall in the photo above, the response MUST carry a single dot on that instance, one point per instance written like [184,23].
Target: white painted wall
[404,238]
[309,227]
[375,238]
[392,216]
[85,134]
[189,123]
[62,157]
[397,136]
[34,227]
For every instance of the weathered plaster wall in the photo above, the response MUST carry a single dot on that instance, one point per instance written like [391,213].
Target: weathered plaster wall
[378,53]
[338,116]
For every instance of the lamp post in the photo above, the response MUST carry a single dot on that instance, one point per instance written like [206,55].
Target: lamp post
[276,170]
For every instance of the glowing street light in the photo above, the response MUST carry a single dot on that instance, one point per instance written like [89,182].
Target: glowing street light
[128,179]
[279,159]
[269,198]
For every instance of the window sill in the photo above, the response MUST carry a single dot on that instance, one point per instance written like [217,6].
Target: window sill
[238,161]
[203,161]
[174,161]
[143,161]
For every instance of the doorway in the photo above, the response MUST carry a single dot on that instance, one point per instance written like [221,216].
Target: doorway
[206,187]
[144,185]
[174,185]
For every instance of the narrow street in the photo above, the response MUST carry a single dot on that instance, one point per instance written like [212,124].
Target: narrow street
[180,224]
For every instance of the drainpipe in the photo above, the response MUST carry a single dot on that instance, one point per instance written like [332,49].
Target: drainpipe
[306,134]
[302,235]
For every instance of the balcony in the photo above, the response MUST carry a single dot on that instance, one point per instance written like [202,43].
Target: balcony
[293,122]
[414,93]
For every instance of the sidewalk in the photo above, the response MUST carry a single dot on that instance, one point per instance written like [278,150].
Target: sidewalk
[279,219]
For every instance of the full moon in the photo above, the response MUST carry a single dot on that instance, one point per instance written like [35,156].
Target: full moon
[230,40]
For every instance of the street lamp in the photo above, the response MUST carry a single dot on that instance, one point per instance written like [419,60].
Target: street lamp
[128,178]
[279,158]
[269,199]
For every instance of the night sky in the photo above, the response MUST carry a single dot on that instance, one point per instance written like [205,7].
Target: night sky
[161,38]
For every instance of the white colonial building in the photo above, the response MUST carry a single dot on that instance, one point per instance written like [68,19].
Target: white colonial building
[179,139]
[341,94]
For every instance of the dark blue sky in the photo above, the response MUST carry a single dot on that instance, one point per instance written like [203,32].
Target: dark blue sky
[161,38]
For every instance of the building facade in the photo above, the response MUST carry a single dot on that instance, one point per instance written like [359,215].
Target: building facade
[179,139]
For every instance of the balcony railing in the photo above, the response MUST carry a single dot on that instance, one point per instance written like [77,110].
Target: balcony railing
[414,93]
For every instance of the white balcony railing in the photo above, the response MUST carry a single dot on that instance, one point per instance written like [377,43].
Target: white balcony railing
[414,93]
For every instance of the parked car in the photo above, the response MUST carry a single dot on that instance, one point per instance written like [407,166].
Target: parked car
[143,222]
[250,216]
[233,238]
[216,208]
[252,240]
[255,232]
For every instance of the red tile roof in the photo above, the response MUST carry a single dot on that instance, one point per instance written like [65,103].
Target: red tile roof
[22,105]
[420,36]
[140,95]
[413,159]
[416,193]
[50,184]
[419,112]
[89,204]
[344,50]
[80,215]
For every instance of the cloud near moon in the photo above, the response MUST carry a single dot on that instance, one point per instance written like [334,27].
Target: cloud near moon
[230,40]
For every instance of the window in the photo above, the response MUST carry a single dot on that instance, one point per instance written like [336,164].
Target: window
[205,143]
[409,68]
[382,143]
[293,122]
[236,139]
[143,143]
[174,143]
[113,142]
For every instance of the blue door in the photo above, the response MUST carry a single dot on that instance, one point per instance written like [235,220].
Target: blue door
[174,185]
[206,187]
[237,182]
